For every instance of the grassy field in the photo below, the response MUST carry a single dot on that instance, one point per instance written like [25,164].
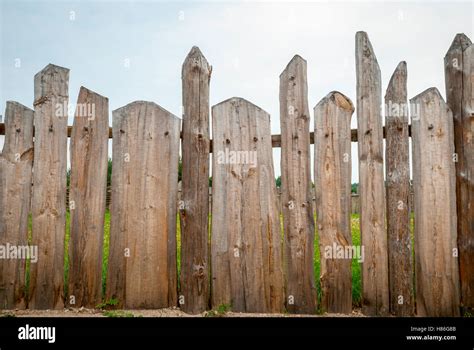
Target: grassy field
[356,278]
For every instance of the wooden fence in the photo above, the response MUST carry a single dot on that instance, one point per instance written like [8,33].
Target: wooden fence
[244,260]
[355,200]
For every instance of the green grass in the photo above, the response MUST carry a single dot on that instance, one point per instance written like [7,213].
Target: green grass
[356,274]
[356,277]
[468,313]
[105,255]
[111,303]
[220,311]
[118,313]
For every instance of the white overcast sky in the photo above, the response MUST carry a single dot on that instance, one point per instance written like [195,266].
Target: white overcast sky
[247,43]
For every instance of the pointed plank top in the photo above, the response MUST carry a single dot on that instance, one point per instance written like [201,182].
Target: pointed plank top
[195,52]
[364,47]
[84,90]
[240,101]
[401,69]
[339,99]
[18,105]
[195,60]
[428,94]
[295,61]
[51,80]
[139,103]
[17,115]
[52,68]
[399,78]
[460,43]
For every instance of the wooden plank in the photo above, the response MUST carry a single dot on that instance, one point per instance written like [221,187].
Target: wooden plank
[142,261]
[398,192]
[375,292]
[332,169]
[194,211]
[296,189]
[89,155]
[437,272]
[16,161]
[246,237]
[459,77]
[48,205]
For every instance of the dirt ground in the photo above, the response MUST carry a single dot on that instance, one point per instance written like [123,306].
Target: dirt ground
[169,312]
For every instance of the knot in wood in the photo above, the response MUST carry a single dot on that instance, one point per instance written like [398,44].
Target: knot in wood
[198,271]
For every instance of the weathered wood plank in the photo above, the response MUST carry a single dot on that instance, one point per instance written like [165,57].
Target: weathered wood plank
[459,74]
[246,240]
[375,292]
[16,161]
[194,211]
[437,272]
[48,205]
[296,189]
[87,197]
[398,192]
[142,261]
[332,172]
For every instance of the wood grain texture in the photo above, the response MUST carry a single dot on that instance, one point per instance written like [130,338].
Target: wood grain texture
[194,212]
[246,237]
[16,161]
[142,262]
[49,187]
[434,182]
[375,290]
[398,191]
[296,189]
[332,180]
[87,197]
[459,77]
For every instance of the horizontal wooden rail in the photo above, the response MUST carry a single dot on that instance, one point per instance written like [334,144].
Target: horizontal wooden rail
[276,139]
